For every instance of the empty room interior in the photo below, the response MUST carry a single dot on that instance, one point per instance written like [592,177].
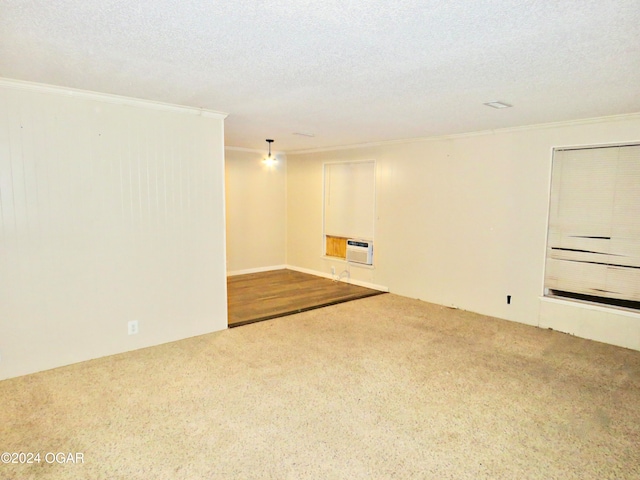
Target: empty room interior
[465,174]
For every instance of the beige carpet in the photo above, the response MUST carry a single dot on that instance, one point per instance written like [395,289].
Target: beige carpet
[380,388]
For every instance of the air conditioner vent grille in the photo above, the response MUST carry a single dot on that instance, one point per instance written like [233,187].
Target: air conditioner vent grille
[360,251]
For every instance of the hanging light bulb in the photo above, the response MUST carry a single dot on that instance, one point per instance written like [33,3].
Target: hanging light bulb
[269,160]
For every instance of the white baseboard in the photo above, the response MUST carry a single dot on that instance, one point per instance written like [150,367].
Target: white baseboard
[351,281]
[256,270]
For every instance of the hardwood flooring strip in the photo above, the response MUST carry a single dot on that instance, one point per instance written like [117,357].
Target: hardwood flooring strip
[262,296]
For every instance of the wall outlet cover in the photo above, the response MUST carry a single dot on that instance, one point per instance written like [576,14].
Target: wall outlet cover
[132,327]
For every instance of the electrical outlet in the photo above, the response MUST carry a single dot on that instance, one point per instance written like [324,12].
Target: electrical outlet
[508,299]
[132,327]
[333,270]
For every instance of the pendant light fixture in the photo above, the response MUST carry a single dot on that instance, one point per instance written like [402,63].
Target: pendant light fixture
[269,160]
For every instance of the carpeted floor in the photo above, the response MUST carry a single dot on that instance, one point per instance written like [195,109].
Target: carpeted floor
[379,388]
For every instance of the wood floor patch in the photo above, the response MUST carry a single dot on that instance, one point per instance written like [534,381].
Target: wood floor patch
[262,296]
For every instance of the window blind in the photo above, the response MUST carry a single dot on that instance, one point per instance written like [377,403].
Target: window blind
[593,244]
[349,199]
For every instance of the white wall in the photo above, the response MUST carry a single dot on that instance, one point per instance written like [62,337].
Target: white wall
[110,210]
[461,221]
[256,211]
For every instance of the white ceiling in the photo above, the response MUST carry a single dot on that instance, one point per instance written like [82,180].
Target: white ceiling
[347,71]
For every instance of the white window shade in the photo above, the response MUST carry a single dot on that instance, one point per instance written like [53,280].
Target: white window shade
[593,246]
[349,199]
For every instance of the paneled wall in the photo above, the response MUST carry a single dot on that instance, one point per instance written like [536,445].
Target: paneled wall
[111,210]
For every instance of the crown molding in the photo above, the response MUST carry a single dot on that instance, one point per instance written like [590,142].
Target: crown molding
[537,126]
[253,150]
[243,149]
[108,98]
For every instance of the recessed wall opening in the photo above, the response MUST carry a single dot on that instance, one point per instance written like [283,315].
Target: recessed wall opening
[593,240]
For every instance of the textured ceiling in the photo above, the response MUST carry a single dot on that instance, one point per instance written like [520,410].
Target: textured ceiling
[347,71]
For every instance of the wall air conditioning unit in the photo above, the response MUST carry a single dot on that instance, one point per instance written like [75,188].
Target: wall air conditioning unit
[360,251]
